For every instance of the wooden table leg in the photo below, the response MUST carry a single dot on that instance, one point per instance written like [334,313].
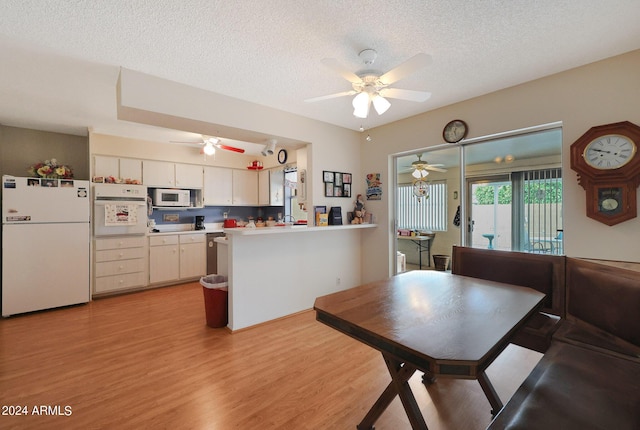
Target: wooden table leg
[490,392]
[400,374]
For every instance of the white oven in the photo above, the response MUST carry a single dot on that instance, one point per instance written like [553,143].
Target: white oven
[119,209]
[170,197]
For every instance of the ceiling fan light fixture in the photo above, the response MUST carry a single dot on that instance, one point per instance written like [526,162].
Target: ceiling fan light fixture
[419,173]
[380,104]
[361,103]
[209,149]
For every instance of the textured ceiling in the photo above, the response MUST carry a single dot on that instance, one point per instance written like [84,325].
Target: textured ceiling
[60,59]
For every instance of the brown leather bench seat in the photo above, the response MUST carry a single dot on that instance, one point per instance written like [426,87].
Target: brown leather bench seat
[589,378]
[573,387]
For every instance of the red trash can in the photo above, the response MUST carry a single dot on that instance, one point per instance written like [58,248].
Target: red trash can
[216,296]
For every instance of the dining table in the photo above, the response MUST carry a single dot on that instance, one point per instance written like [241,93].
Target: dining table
[434,322]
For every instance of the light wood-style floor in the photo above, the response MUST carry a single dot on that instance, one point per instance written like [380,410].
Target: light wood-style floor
[148,360]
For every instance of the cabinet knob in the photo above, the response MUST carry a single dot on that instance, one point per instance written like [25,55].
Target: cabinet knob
[120,255]
[120,267]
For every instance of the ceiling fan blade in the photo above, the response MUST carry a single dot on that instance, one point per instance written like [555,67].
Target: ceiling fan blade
[330,96]
[187,142]
[411,95]
[405,69]
[336,66]
[230,148]
[434,169]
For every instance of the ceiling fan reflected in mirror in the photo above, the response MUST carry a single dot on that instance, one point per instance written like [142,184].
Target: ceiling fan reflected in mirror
[371,87]
[210,143]
[420,169]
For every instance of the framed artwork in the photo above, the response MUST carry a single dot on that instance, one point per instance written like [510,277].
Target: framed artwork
[336,184]
[328,189]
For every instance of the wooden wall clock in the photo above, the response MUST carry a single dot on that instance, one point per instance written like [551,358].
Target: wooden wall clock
[608,166]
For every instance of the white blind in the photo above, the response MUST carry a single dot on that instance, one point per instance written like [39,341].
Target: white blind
[424,213]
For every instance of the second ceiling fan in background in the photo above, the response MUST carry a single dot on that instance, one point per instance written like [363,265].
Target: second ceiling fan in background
[371,87]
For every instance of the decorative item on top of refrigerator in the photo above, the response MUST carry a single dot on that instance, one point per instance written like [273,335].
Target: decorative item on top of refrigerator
[45,243]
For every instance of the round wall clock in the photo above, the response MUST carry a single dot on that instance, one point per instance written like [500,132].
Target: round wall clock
[455,131]
[610,151]
[608,166]
[282,156]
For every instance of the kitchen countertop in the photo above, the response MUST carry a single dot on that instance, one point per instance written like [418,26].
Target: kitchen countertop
[186,229]
[243,231]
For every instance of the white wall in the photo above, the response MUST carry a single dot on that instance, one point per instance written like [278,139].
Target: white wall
[600,93]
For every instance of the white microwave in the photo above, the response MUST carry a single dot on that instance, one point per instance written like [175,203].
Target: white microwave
[168,197]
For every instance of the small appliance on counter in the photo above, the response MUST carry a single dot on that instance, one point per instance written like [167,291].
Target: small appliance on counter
[230,223]
[199,223]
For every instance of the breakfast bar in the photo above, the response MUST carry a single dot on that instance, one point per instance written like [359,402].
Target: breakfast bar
[278,271]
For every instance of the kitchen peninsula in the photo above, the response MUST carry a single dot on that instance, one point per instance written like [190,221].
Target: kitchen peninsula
[278,271]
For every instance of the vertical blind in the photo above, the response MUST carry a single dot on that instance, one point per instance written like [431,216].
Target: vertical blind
[424,213]
[543,210]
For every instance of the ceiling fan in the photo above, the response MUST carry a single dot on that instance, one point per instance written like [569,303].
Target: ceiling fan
[420,169]
[372,87]
[209,143]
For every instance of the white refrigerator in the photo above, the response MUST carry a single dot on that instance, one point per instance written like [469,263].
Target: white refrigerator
[45,243]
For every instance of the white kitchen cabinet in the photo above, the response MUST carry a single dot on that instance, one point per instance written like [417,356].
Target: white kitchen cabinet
[264,188]
[218,186]
[120,264]
[122,168]
[188,176]
[158,174]
[130,168]
[171,175]
[164,259]
[193,256]
[276,187]
[245,187]
[177,257]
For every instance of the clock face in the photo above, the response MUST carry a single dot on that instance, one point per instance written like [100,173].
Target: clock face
[282,156]
[455,131]
[609,152]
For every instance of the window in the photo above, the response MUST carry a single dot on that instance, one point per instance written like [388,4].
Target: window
[424,213]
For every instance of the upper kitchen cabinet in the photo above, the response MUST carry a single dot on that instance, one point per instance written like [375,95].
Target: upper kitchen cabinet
[171,175]
[119,168]
[271,187]
[245,187]
[263,187]
[218,186]
[276,187]
[158,174]
[188,176]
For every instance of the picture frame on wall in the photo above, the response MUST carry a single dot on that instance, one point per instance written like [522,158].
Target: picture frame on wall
[328,189]
[336,184]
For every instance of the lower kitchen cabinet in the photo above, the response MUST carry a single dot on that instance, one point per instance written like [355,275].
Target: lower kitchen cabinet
[176,257]
[120,264]
[193,256]
[164,259]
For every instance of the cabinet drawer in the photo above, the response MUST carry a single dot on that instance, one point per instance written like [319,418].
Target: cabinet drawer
[120,242]
[163,240]
[119,254]
[192,238]
[120,282]
[109,268]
